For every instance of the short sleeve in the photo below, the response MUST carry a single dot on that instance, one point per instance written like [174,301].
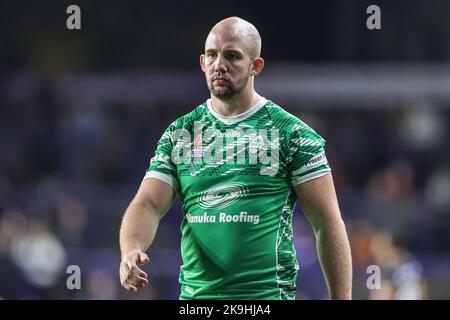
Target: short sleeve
[161,165]
[306,159]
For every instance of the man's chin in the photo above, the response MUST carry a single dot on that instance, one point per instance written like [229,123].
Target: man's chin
[222,94]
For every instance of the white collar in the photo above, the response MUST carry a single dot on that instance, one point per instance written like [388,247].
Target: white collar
[239,117]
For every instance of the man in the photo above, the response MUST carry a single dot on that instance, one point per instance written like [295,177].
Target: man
[238,163]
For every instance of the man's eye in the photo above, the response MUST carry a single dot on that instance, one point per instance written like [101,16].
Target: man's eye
[210,55]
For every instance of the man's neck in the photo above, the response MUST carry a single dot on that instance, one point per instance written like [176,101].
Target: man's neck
[235,105]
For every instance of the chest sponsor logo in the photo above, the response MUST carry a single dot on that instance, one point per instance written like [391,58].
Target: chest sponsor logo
[223,217]
[222,195]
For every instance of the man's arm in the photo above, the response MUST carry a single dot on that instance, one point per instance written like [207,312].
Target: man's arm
[139,225]
[320,206]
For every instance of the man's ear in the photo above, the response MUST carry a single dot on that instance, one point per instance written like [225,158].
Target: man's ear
[202,62]
[258,65]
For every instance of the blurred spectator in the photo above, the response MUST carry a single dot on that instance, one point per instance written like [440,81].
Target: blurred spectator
[437,192]
[422,128]
[401,273]
[71,221]
[391,199]
[39,254]
[13,225]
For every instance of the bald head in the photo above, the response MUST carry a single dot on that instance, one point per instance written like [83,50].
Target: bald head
[237,28]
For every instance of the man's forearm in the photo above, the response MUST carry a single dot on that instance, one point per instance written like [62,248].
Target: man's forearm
[334,253]
[138,228]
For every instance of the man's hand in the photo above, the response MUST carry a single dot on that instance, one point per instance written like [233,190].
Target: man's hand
[138,229]
[131,276]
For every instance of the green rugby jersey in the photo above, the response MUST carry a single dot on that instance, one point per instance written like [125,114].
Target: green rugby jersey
[235,177]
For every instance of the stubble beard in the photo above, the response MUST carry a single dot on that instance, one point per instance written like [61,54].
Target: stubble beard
[231,90]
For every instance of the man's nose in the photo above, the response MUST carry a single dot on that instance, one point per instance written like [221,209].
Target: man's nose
[220,64]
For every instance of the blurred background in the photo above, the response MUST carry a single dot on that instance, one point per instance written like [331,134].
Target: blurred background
[81,112]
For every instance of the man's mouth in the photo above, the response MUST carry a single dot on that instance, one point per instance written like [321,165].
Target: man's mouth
[220,80]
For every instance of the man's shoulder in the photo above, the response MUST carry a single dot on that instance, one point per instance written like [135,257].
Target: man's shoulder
[284,120]
[292,129]
[189,118]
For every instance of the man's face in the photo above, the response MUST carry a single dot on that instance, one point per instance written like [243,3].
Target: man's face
[227,64]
